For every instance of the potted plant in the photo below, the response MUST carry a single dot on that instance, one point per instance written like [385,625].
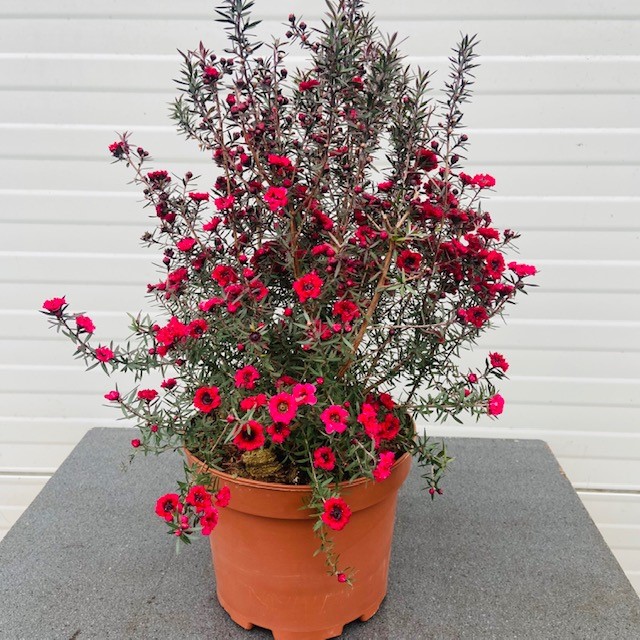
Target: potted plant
[313,301]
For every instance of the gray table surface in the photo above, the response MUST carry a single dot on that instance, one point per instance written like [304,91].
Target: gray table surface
[507,552]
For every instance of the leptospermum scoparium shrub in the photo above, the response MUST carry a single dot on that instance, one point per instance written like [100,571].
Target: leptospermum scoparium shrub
[315,299]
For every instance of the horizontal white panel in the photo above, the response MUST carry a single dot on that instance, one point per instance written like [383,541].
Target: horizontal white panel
[129,111]
[122,209]
[512,37]
[147,10]
[19,491]
[517,180]
[497,147]
[42,457]
[607,277]
[504,76]
[612,508]
[8,516]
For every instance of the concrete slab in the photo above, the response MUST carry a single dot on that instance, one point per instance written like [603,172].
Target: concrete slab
[507,552]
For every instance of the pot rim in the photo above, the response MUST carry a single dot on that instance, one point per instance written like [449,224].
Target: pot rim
[278,486]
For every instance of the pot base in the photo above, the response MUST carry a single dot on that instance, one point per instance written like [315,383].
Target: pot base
[280,634]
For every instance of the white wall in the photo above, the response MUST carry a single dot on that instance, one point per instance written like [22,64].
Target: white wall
[555,120]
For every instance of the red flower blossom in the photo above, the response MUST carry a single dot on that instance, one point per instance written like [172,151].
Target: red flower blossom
[250,436]
[213,224]
[279,432]
[84,323]
[307,85]
[476,316]
[335,418]
[308,286]
[483,180]
[209,520]
[495,405]
[304,394]
[409,260]
[324,458]
[494,265]
[521,270]
[224,275]
[199,498]
[498,361]
[346,310]
[186,244]
[224,203]
[172,333]
[147,394]
[336,513]
[281,162]
[223,497]
[199,197]
[426,159]
[104,354]
[385,186]
[157,178]
[283,407]
[276,198]
[168,505]
[389,427]
[246,377]
[135,443]
[169,383]
[383,468]
[112,396]
[251,402]
[119,148]
[210,74]
[206,399]
[197,327]
[55,305]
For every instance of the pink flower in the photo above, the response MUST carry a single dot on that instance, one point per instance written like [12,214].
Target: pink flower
[147,394]
[522,270]
[308,287]
[304,393]
[199,197]
[104,354]
[84,323]
[498,361]
[223,497]
[276,198]
[324,458]
[283,407]
[279,161]
[209,520]
[307,85]
[246,377]
[112,396]
[55,305]
[186,244]
[496,405]
[251,402]
[224,203]
[483,180]
[335,418]
[383,468]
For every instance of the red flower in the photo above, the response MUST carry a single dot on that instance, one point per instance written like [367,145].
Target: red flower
[335,418]
[483,180]
[186,244]
[147,394]
[324,458]
[135,443]
[206,399]
[304,394]
[168,505]
[84,323]
[112,396]
[279,432]
[308,286]
[383,468]
[169,383]
[212,225]
[223,497]
[55,305]
[197,327]
[104,354]
[199,197]
[494,265]
[118,148]
[283,407]
[276,198]
[251,402]
[209,520]
[158,177]
[498,361]
[307,85]
[409,260]
[521,270]
[346,310]
[279,161]
[426,159]
[246,377]
[477,316]
[210,74]
[385,186]
[389,427]
[224,275]
[336,513]
[250,436]
[224,203]
[496,405]
[199,498]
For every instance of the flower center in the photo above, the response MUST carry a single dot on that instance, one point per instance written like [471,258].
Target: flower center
[336,513]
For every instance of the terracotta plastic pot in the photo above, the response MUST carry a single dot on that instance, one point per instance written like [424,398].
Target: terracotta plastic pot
[263,547]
